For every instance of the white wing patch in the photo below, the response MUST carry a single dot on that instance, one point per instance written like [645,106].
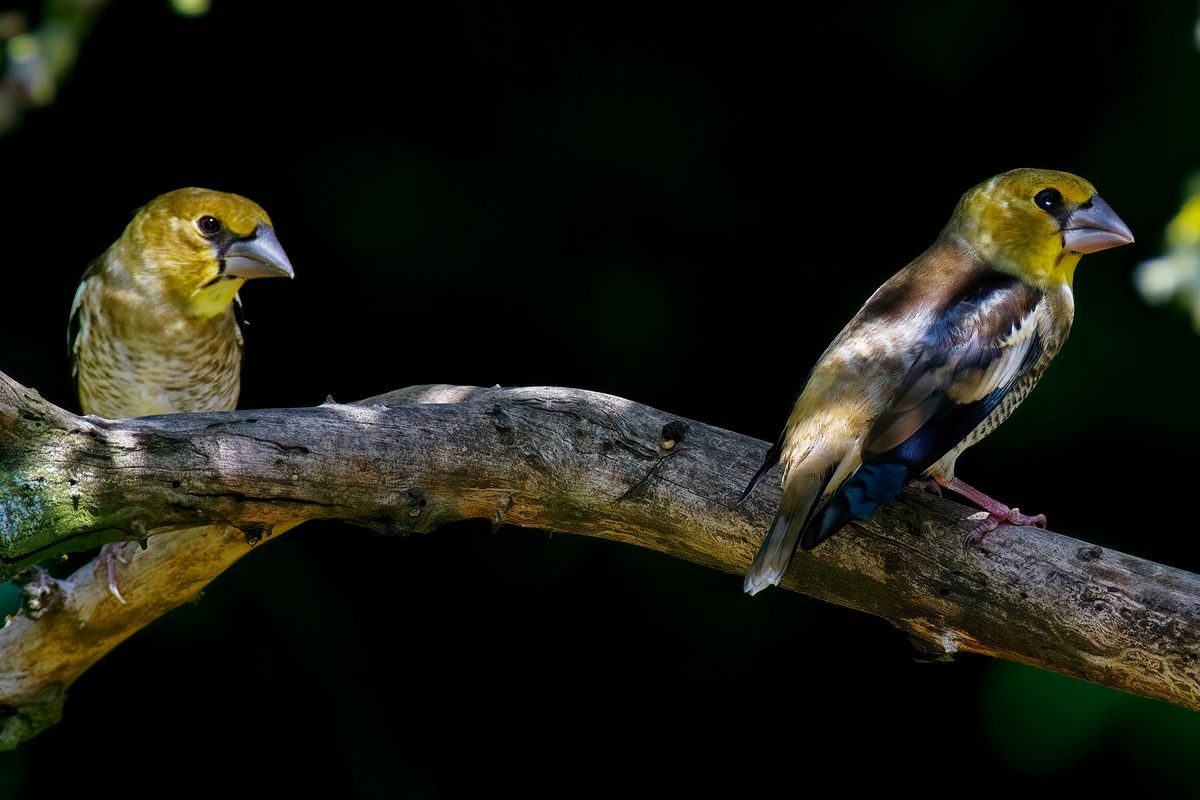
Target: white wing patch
[975,384]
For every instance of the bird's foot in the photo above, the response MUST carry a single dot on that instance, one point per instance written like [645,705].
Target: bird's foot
[109,556]
[993,515]
[992,519]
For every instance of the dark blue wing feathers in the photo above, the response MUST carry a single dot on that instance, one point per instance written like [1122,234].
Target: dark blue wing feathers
[871,486]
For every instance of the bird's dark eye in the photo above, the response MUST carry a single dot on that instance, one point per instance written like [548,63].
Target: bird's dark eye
[209,225]
[1048,199]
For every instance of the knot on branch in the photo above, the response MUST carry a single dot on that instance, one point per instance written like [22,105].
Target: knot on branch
[672,432]
[40,592]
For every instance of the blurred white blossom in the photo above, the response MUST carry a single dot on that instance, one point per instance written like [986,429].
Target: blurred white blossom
[1174,277]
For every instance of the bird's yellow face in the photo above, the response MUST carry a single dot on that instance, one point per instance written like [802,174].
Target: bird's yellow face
[196,247]
[1036,223]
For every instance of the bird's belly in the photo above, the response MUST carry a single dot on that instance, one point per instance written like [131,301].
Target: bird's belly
[130,395]
[118,382]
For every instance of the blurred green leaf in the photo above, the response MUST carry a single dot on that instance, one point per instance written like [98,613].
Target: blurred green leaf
[1165,737]
[191,8]
[1040,721]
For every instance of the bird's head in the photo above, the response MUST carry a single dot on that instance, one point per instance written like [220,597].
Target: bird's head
[196,247]
[1036,223]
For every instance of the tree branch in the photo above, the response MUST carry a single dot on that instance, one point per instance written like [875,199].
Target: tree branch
[557,459]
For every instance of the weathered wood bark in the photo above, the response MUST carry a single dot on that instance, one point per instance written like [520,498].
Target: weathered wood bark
[572,461]
[68,625]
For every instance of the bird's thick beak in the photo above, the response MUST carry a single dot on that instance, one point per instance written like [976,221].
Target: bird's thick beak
[259,255]
[1094,227]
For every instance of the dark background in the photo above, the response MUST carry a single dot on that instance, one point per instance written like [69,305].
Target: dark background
[675,205]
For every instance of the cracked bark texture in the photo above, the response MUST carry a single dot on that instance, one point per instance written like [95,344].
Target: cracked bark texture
[552,458]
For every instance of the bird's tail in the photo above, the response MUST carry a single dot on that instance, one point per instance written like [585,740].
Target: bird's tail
[804,521]
[800,495]
[769,461]
[871,486]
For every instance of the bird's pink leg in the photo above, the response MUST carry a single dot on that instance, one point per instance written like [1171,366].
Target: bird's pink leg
[110,554]
[997,513]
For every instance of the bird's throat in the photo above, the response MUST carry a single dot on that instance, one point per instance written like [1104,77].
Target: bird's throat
[213,300]
[1064,269]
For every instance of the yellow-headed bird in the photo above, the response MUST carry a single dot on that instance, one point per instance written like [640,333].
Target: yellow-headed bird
[154,328]
[938,357]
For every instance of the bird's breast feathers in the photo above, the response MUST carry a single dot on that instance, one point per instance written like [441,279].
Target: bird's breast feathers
[128,364]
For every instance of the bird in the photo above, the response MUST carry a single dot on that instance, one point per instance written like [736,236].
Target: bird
[155,324]
[934,361]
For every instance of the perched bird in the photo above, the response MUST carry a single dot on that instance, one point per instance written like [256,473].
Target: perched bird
[154,328]
[938,357]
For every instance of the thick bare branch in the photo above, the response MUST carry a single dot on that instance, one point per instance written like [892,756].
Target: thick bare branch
[578,462]
[68,625]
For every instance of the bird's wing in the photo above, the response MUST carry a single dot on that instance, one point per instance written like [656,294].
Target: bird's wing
[77,325]
[985,336]
[969,360]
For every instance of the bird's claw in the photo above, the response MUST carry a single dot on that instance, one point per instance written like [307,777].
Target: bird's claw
[993,520]
[975,536]
[110,554]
